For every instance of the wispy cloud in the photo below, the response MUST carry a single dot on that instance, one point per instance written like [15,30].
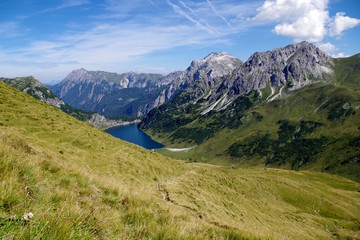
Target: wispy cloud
[119,35]
[104,47]
[65,4]
[200,19]
[9,29]
[152,3]
[218,14]
[178,10]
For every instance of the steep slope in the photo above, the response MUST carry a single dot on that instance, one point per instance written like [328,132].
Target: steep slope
[82,183]
[96,90]
[35,88]
[303,117]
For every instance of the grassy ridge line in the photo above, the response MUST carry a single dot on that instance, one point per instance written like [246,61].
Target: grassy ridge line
[82,183]
[291,205]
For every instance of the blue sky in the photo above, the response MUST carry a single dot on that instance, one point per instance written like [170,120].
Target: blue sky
[48,39]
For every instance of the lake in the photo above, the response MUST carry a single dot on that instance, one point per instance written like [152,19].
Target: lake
[133,134]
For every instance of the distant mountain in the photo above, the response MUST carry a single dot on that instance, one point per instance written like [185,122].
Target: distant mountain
[136,94]
[205,74]
[35,88]
[292,107]
[111,93]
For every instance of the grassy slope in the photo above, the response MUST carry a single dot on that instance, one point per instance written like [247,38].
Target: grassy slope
[335,106]
[82,183]
[334,156]
[29,82]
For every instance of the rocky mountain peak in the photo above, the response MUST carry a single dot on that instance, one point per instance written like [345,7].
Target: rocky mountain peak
[215,59]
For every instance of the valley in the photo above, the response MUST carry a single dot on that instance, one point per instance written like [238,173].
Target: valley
[266,149]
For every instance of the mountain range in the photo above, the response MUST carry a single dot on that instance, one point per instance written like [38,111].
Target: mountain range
[293,107]
[112,94]
[219,77]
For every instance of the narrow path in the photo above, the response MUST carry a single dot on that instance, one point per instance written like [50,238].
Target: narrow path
[165,194]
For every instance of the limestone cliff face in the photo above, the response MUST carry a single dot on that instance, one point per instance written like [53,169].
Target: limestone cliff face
[87,89]
[298,64]
[217,81]
[220,83]
[206,73]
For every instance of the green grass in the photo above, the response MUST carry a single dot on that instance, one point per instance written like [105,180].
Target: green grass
[249,132]
[81,183]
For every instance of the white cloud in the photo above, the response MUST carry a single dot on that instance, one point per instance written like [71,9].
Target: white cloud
[341,23]
[303,20]
[327,47]
[309,27]
[340,55]
[104,47]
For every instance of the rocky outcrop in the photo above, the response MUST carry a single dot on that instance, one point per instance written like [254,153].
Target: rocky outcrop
[35,88]
[206,73]
[295,65]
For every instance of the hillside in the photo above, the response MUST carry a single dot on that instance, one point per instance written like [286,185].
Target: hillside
[35,88]
[306,122]
[80,182]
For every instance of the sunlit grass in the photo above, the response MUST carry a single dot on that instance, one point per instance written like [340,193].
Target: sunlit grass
[81,183]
